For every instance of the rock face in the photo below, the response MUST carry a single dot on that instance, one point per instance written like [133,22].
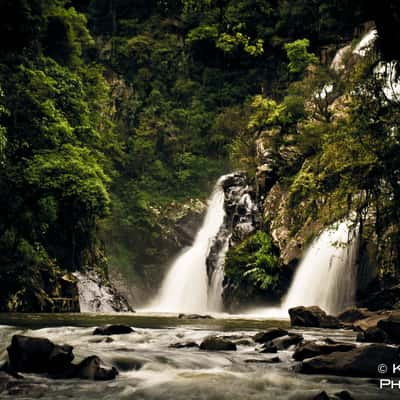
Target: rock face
[269,334]
[96,295]
[50,290]
[40,355]
[242,218]
[214,343]
[313,349]
[312,317]
[113,330]
[359,362]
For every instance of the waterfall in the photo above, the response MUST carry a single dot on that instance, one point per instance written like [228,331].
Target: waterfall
[217,278]
[327,275]
[186,286]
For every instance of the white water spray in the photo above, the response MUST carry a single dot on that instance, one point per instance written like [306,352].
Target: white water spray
[327,275]
[185,289]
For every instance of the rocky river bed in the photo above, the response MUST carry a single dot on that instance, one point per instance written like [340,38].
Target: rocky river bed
[166,357]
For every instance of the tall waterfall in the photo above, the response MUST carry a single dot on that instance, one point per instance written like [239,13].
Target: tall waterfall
[186,288]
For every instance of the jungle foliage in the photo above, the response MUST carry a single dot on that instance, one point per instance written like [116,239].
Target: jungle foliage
[112,109]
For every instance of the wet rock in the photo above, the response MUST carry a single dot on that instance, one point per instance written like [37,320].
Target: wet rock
[344,395]
[98,295]
[38,355]
[269,348]
[359,362]
[313,349]
[244,342]
[90,368]
[185,345]
[391,326]
[321,396]
[370,322]
[285,342]
[215,343]
[101,340]
[281,343]
[6,380]
[127,363]
[27,390]
[194,316]
[269,334]
[113,330]
[272,360]
[312,317]
[351,315]
[373,335]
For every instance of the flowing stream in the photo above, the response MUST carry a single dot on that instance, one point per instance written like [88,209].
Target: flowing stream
[150,369]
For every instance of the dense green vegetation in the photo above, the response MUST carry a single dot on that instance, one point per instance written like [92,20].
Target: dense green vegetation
[256,262]
[112,109]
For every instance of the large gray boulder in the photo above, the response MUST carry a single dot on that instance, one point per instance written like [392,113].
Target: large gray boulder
[359,362]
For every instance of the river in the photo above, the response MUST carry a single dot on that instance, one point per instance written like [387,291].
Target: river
[151,370]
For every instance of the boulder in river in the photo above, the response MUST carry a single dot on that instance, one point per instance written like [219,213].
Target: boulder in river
[38,355]
[321,396]
[391,326]
[312,317]
[373,335]
[354,314]
[282,343]
[312,349]
[194,316]
[359,362]
[344,395]
[90,368]
[269,334]
[113,330]
[184,345]
[215,343]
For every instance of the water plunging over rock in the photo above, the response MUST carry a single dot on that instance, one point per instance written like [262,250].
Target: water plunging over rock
[327,275]
[194,282]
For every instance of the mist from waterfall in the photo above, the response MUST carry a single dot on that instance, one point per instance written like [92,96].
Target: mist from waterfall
[186,286]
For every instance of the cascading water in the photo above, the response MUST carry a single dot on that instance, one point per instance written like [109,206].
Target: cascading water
[327,275]
[217,278]
[186,289]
